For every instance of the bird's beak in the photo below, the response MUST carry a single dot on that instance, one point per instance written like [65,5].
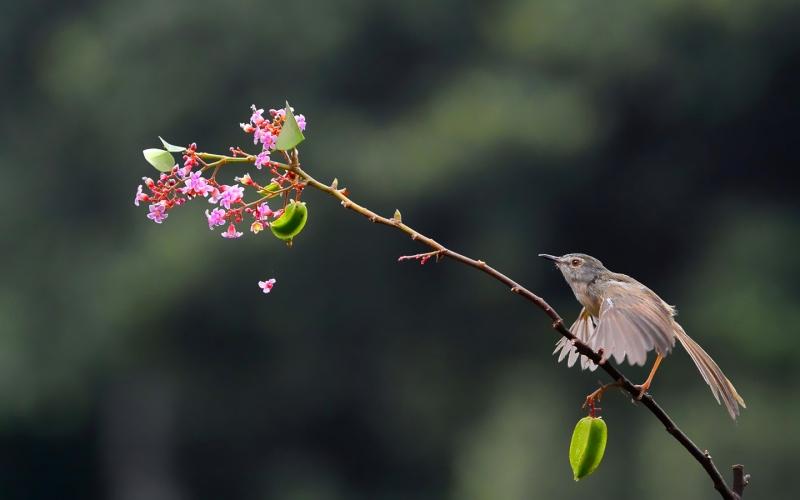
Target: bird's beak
[550,257]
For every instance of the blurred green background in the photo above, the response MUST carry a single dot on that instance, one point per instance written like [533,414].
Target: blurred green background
[140,361]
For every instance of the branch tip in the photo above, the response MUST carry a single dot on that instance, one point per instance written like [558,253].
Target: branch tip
[740,480]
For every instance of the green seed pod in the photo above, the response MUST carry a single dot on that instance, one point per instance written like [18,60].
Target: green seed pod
[270,190]
[587,446]
[289,225]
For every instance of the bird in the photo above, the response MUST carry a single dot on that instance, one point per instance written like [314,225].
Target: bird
[626,319]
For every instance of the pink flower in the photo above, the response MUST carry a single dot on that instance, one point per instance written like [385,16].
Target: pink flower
[256,227]
[216,194]
[231,232]
[157,212]
[256,119]
[140,196]
[188,164]
[268,139]
[262,159]
[262,212]
[246,180]
[247,128]
[259,132]
[190,161]
[196,185]
[231,194]
[216,217]
[267,285]
[301,121]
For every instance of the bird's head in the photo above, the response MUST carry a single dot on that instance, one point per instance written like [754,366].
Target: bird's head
[577,268]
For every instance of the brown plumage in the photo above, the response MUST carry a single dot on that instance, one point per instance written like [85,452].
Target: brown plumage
[626,319]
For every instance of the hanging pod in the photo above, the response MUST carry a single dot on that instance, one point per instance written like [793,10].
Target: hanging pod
[587,446]
[289,225]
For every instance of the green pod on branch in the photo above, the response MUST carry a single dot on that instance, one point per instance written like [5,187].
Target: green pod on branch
[587,446]
[270,191]
[289,225]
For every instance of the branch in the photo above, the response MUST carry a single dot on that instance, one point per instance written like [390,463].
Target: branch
[740,480]
[703,457]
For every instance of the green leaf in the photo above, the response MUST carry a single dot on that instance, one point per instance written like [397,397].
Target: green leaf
[290,135]
[171,148]
[160,159]
[587,446]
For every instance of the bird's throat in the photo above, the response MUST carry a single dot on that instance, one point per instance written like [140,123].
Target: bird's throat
[587,298]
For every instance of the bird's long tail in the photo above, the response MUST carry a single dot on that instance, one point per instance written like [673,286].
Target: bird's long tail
[719,383]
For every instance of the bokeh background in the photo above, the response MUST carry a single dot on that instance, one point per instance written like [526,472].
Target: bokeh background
[140,361]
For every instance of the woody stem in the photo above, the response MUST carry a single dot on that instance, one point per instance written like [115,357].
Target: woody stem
[558,324]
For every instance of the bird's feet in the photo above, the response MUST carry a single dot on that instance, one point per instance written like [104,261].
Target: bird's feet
[596,395]
[642,390]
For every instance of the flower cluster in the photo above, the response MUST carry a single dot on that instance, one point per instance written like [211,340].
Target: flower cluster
[196,185]
[184,183]
[164,193]
[266,131]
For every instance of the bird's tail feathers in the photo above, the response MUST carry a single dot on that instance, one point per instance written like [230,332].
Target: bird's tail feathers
[719,383]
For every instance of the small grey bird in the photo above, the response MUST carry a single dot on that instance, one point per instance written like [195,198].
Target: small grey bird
[626,319]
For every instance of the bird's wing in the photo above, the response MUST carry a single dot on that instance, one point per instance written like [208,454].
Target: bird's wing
[583,328]
[632,323]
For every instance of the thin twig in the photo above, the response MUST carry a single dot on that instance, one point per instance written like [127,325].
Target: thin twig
[422,257]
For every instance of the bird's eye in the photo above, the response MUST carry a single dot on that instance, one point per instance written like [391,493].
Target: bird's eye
[576,262]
